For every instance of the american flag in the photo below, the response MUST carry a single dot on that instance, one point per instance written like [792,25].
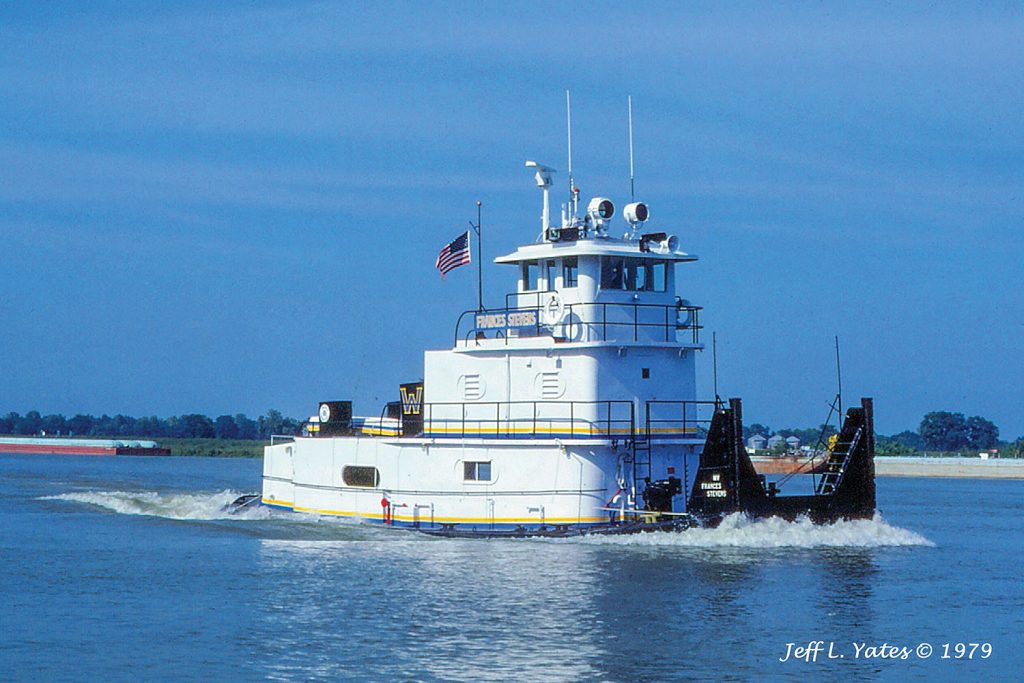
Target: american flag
[454,255]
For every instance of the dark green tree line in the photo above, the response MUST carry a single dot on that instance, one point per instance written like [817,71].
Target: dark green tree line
[946,431]
[938,431]
[190,426]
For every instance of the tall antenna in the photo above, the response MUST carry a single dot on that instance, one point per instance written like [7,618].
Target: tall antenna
[568,122]
[714,360]
[839,376]
[632,196]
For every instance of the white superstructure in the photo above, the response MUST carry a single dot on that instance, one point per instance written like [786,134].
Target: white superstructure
[559,408]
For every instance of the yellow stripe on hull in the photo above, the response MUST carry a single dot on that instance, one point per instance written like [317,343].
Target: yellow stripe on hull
[438,520]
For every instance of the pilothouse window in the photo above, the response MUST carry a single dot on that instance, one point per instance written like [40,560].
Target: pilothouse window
[657,275]
[530,274]
[570,271]
[633,275]
[549,277]
[612,273]
[641,277]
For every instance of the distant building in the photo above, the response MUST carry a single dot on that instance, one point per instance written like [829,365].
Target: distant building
[774,441]
[793,443]
[756,443]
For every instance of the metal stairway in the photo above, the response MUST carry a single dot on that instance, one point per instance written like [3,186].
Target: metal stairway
[838,458]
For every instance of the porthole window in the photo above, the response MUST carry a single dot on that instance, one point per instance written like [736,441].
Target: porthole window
[363,477]
[477,471]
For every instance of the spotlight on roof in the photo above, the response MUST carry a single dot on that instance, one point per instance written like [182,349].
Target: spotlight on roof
[636,213]
[600,209]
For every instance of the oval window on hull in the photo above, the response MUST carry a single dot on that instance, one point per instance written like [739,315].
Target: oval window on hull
[364,477]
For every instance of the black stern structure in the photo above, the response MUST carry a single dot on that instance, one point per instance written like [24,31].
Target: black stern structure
[727,482]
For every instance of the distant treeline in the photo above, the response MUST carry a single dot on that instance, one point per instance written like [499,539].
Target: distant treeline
[193,426]
[939,431]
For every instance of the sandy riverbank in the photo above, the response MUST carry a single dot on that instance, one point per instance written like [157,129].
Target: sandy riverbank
[971,468]
[886,466]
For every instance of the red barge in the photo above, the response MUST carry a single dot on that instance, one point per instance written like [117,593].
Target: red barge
[56,446]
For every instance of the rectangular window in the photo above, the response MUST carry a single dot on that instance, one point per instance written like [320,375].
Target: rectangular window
[550,274]
[570,271]
[628,274]
[634,278]
[612,276]
[643,278]
[477,471]
[530,273]
[658,273]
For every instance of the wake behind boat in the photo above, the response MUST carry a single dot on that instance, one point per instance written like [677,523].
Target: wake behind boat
[571,409]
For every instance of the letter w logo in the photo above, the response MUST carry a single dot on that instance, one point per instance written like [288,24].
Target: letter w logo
[412,401]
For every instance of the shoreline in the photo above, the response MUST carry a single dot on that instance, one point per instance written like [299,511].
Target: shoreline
[885,465]
[914,466]
[953,468]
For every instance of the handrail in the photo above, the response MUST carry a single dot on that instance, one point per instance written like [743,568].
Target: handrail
[461,419]
[586,315]
[610,419]
[686,421]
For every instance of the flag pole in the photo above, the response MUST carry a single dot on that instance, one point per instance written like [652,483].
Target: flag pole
[479,260]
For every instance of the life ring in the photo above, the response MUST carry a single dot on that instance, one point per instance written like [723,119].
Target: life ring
[554,309]
[683,305]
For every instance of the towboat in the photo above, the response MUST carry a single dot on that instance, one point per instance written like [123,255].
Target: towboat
[570,409]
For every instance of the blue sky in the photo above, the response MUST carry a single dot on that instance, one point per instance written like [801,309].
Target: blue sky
[232,207]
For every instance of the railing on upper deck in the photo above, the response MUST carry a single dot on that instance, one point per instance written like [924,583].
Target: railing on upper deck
[597,321]
[614,420]
[669,418]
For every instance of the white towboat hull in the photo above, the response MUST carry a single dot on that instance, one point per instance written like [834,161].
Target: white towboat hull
[422,482]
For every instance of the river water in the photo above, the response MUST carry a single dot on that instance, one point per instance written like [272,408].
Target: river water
[126,569]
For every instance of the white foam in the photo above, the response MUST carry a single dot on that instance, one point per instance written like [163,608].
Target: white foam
[170,505]
[738,531]
[735,531]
